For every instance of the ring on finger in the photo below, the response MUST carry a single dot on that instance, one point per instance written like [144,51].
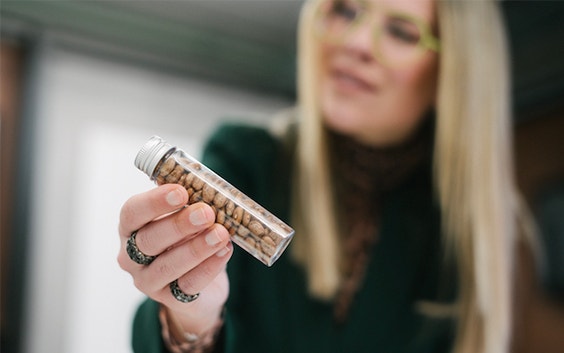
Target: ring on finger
[135,254]
[179,295]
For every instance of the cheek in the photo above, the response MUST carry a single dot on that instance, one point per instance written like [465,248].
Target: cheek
[411,95]
[417,86]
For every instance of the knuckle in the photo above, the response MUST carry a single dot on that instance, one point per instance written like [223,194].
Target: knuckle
[193,252]
[178,224]
[166,270]
[146,243]
[222,232]
[127,214]
[139,284]
[123,261]
[186,284]
[207,270]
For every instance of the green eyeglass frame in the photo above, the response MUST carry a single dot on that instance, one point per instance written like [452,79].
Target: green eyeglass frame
[427,40]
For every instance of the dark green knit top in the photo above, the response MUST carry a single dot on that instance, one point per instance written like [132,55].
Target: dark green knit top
[269,309]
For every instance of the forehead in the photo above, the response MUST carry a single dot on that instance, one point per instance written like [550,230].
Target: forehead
[423,9]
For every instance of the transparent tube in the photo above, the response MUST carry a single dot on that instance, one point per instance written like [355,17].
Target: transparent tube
[250,225]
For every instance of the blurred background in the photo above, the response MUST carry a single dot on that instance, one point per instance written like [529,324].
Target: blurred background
[85,83]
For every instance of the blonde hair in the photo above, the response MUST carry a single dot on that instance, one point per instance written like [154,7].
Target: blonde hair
[316,244]
[473,171]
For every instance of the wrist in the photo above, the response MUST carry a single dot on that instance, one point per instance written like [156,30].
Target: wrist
[178,339]
[197,325]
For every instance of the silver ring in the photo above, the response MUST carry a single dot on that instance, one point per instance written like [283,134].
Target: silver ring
[135,254]
[180,295]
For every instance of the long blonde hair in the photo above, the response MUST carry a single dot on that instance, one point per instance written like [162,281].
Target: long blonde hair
[473,171]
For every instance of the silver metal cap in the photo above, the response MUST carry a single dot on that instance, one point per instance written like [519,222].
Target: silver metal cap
[150,154]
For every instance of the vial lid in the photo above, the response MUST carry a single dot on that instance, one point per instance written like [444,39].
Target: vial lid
[151,153]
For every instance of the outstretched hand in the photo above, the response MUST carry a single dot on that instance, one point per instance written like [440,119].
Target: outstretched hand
[188,247]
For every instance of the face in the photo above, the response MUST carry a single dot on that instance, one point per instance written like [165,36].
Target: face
[366,91]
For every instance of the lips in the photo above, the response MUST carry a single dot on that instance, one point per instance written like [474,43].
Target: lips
[350,80]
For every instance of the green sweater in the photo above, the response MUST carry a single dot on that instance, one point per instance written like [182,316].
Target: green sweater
[269,310]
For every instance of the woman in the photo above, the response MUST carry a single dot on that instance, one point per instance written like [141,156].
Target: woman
[389,116]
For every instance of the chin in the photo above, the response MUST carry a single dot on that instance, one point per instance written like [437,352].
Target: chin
[345,120]
[340,124]
[361,133]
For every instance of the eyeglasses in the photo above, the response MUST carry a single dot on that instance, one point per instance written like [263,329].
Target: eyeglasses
[398,38]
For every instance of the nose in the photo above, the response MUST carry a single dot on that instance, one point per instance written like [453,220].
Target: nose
[360,41]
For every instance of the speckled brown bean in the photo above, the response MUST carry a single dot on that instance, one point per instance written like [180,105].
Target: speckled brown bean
[175,175]
[219,200]
[196,197]
[268,245]
[243,231]
[256,228]
[246,219]
[167,167]
[190,192]
[184,161]
[238,214]
[248,202]
[188,180]
[229,208]
[196,166]
[182,178]
[160,180]
[211,178]
[220,217]
[251,241]
[272,235]
[197,183]
[228,222]
[235,193]
[208,193]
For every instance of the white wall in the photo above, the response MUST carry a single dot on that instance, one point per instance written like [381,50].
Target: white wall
[92,117]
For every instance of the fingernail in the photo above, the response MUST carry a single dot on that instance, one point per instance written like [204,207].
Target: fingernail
[212,238]
[198,217]
[223,252]
[174,198]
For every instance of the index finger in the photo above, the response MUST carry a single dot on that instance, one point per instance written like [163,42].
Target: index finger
[143,208]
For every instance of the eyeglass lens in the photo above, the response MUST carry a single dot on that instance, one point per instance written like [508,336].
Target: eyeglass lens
[397,37]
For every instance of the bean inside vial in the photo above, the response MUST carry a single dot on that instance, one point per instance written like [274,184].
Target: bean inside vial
[250,225]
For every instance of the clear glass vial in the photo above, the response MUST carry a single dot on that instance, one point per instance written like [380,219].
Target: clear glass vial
[250,225]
